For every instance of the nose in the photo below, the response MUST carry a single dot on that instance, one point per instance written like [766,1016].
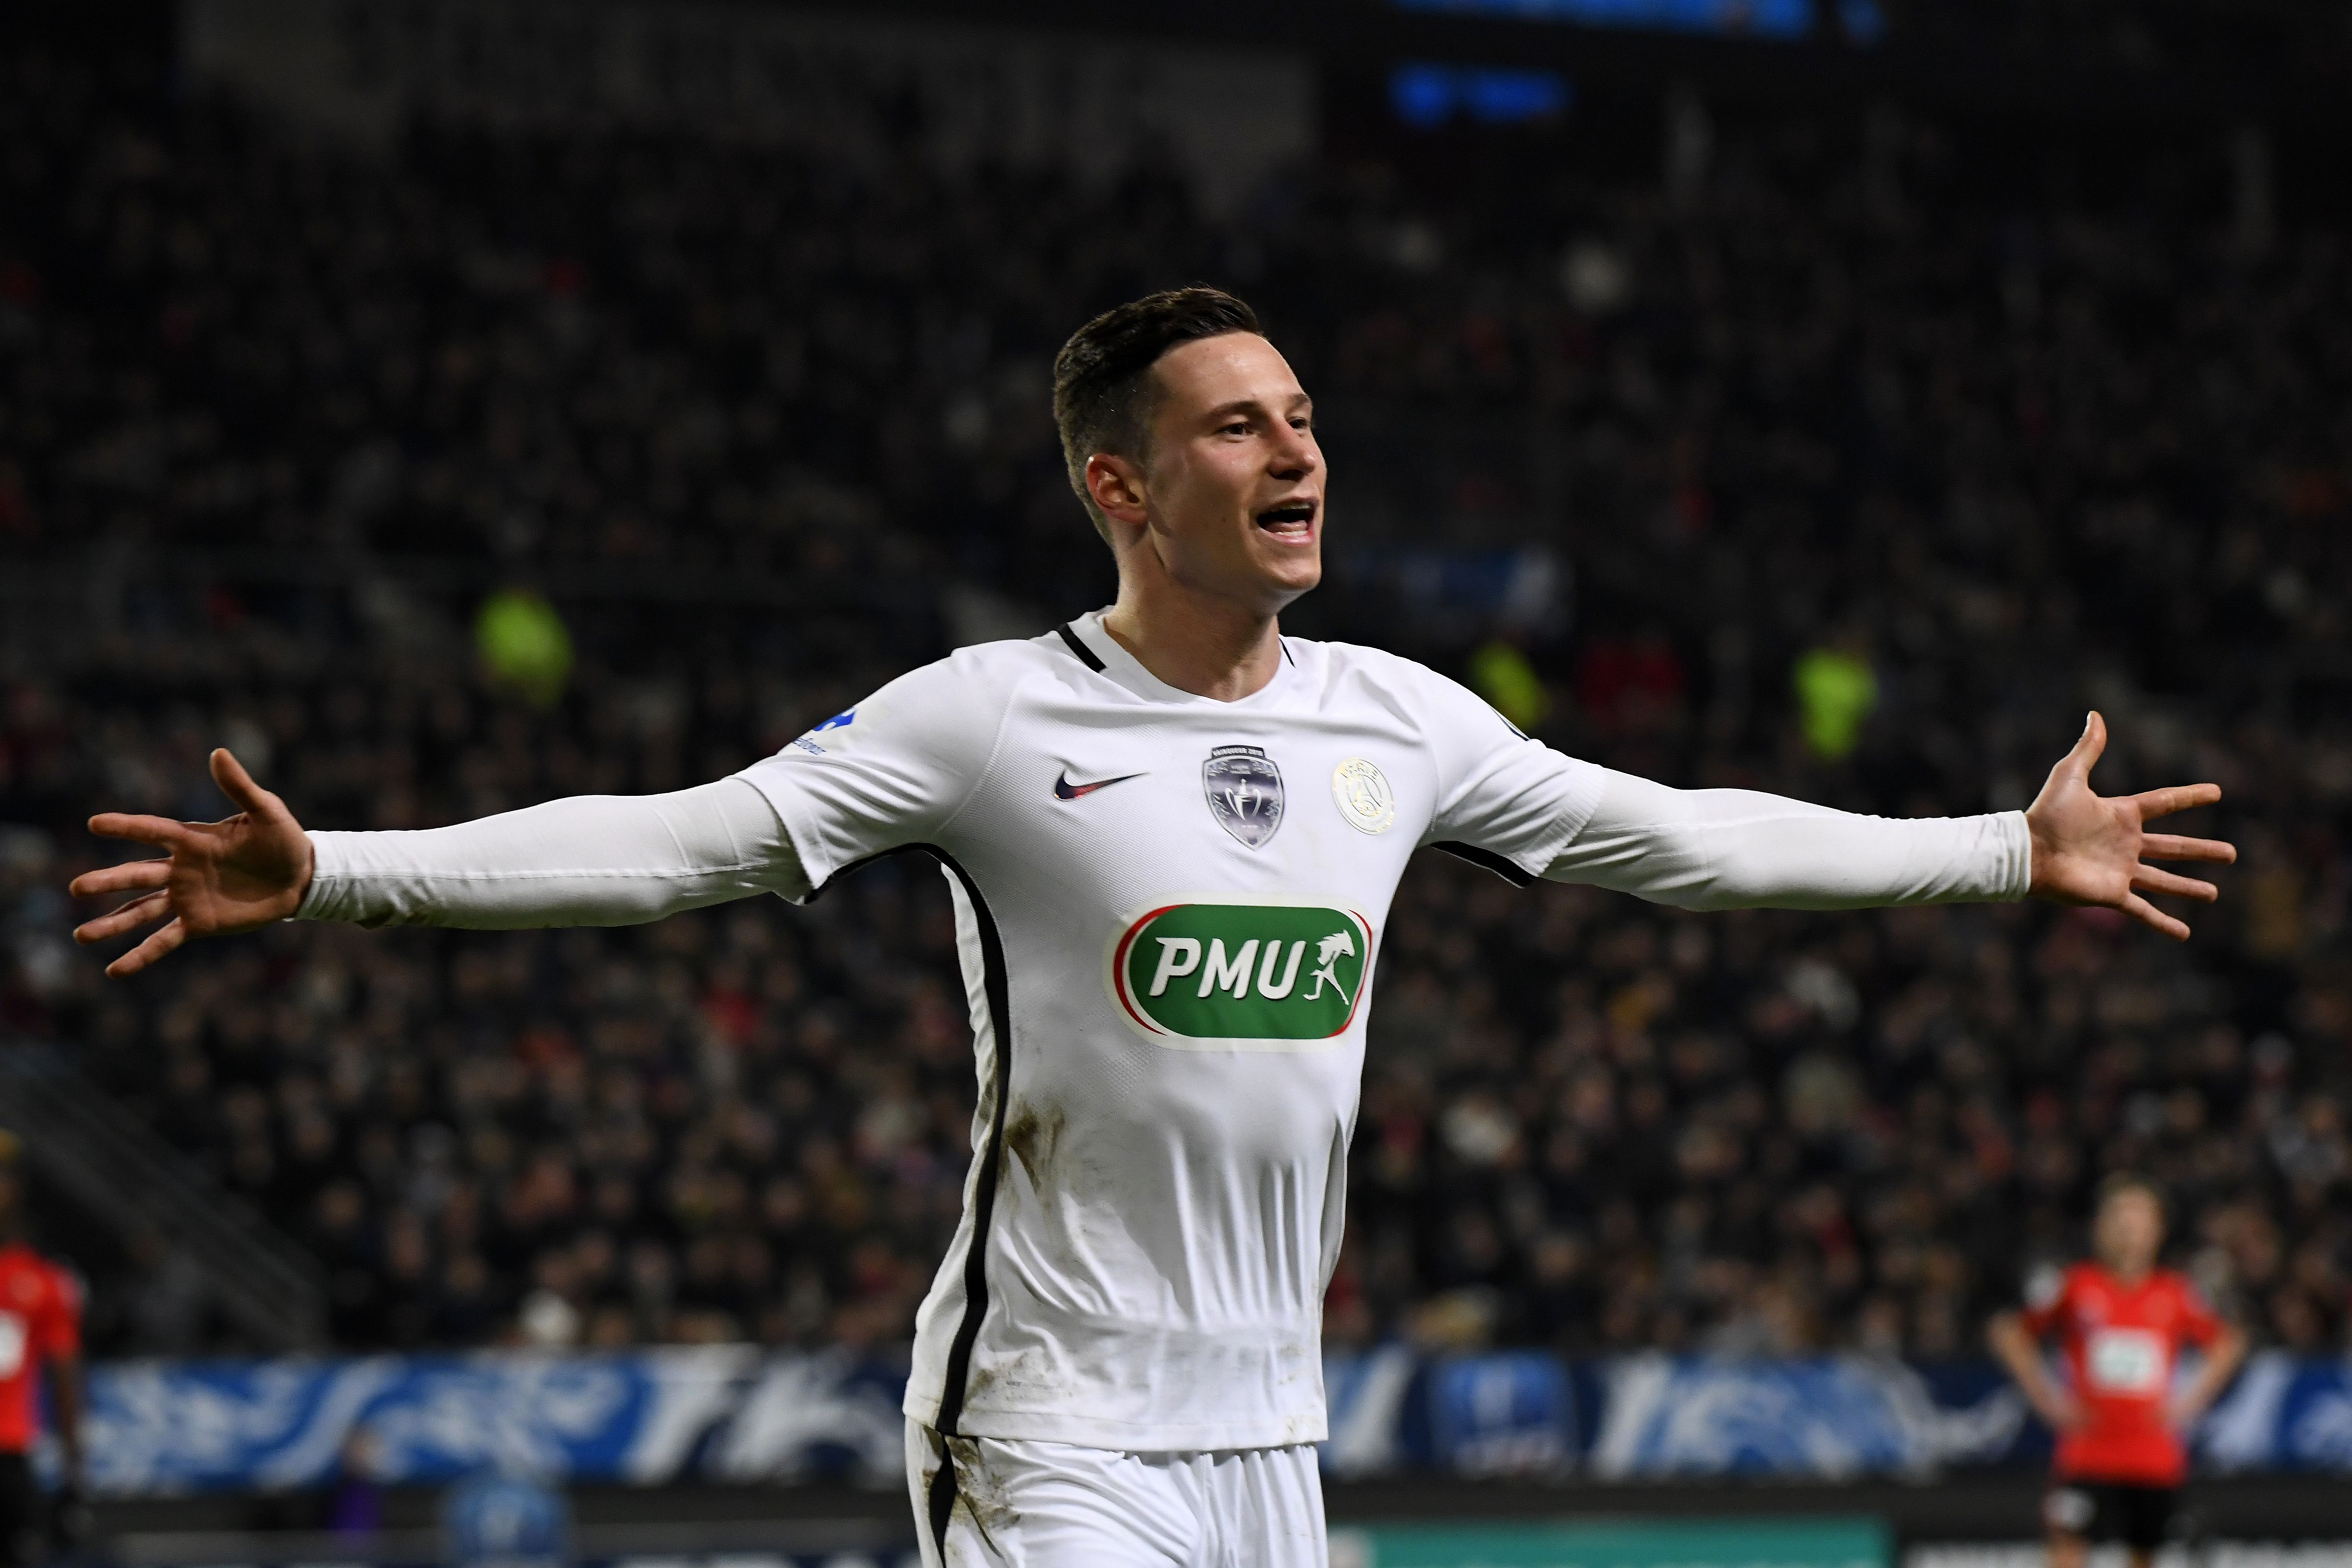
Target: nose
[1294,453]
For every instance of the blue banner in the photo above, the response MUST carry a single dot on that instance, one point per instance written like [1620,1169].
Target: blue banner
[1830,1417]
[641,1417]
[2283,1413]
[738,1414]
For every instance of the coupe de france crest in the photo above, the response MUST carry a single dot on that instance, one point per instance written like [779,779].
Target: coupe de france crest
[1244,791]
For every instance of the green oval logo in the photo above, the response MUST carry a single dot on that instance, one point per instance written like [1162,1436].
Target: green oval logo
[1242,972]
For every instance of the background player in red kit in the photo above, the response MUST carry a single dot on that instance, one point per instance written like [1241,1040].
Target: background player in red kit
[40,1326]
[2120,1323]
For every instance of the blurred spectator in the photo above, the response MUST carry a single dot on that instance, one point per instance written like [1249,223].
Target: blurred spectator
[275,427]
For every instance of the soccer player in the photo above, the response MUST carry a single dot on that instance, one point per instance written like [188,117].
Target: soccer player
[2120,1323]
[1170,834]
[40,1329]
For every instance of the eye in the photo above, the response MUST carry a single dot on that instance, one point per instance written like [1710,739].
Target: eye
[1238,428]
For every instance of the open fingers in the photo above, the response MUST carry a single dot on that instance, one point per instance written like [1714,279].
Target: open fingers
[160,831]
[161,945]
[129,917]
[2148,880]
[2157,803]
[128,876]
[2173,847]
[2139,909]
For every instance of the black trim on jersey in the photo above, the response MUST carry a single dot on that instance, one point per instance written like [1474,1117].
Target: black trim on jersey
[1086,655]
[1506,869]
[822,888]
[996,984]
[942,1498]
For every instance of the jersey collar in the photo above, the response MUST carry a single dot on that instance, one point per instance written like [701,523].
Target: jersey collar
[1123,667]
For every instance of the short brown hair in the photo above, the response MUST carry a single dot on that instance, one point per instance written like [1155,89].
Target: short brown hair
[1102,376]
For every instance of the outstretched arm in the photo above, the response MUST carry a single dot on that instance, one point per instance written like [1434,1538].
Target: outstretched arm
[1743,850]
[587,860]
[1719,849]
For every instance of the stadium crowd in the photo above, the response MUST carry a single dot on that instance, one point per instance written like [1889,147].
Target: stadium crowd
[765,429]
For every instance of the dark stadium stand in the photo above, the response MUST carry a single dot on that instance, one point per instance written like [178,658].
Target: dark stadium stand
[274,422]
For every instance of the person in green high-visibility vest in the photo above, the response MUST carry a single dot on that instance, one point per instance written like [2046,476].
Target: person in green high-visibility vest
[1836,693]
[523,644]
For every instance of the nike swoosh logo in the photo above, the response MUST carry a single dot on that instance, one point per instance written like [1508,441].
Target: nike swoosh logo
[1065,790]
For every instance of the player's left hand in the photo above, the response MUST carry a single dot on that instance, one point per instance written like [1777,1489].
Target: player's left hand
[2093,849]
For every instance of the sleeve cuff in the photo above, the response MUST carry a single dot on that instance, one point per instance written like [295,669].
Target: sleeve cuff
[2017,846]
[319,900]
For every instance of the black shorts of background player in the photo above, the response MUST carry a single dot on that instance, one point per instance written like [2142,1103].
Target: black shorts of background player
[2137,1516]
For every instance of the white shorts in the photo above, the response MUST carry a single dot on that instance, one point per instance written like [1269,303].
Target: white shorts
[1010,1503]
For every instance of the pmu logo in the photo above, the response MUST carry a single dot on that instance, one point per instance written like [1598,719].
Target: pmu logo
[1256,976]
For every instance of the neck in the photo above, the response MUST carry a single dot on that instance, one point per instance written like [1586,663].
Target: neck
[2130,1273]
[1206,644]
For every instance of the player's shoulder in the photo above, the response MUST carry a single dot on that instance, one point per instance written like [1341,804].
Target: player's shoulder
[1358,659]
[993,671]
[1449,716]
[2180,1288]
[2046,1285]
[1359,670]
[965,691]
[27,1277]
[62,1283]
[2085,1279]
[999,665]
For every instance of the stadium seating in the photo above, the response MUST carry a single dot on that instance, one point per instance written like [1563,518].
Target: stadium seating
[275,423]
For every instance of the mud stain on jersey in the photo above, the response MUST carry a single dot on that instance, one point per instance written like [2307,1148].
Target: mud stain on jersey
[1019,1382]
[979,1494]
[1032,1135]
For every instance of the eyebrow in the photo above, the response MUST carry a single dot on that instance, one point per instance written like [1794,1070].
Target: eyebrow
[1251,405]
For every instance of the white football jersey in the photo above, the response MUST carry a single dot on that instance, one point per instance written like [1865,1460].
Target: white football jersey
[1168,911]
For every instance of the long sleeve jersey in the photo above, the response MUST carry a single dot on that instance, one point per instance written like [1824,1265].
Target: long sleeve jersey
[1169,913]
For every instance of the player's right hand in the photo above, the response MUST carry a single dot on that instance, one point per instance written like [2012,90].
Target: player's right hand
[216,877]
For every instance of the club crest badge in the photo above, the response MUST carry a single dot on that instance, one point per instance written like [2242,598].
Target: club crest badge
[1244,791]
[1363,795]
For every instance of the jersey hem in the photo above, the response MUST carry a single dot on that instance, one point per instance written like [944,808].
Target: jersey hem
[2170,1480]
[1125,1436]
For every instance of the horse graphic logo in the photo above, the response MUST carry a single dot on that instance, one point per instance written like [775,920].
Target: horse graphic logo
[1328,953]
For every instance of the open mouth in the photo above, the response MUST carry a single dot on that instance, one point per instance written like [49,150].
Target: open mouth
[1292,519]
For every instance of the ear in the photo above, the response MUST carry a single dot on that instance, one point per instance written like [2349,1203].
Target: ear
[1118,488]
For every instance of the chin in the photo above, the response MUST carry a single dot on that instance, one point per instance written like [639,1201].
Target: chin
[1299,579]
